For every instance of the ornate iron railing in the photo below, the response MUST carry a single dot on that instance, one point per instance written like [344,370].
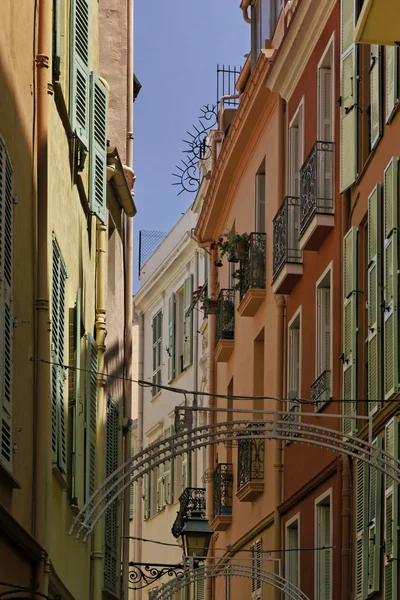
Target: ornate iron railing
[222,489]
[316,183]
[225,321]
[250,461]
[286,235]
[321,390]
[191,499]
[293,418]
[252,266]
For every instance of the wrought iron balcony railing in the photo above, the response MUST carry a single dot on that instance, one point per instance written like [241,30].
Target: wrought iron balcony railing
[252,266]
[286,235]
[321,390]
[250,461]
[222,489]
[316,183]
[225,320]
[293,418]
[191,499]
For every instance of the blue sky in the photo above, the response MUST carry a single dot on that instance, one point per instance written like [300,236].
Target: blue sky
[178,44]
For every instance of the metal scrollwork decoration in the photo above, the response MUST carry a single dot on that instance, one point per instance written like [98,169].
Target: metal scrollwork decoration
[143,575]
[197,149]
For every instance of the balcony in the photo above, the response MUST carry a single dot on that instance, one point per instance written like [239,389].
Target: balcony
[222,497]
[250,469]
[321,390]
[378,23]
[316,196]
[225,325]
[287,256]
[191,499]
[253,276]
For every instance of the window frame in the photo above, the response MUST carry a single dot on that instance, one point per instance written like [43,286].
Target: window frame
[329,49]
[297,115]
[296,317]
[157,351]
[319,285]
[321,501]
[289,525]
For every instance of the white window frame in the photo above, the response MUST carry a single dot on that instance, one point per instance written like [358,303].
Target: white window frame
[159,341]
[296,316]
[298,116]
[318,285]
[321,500]
[329,49]
[289,525]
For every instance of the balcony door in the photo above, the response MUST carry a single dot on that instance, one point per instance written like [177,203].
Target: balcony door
[325,127]
[296,157]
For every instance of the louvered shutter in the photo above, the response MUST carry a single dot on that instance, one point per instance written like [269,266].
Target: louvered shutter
[185,472]
[77,394]
[324,561]
[294,360]
[98,147]
[111,536]
[350,330]
[59,431]
[90,415]
[188,323]
[374,524]
[260,203]
[167,473]
[253,570]
[294,161]
[391,517]
[160,484]
[324,330]
[79,76]
[374,300]
[132,493]
[258,566]
[361,520]
[349,97]
[228,583]
[56,38]
[146,482]
[6,310]
[325,105]
[390,279]
[292,557]
[199,585]
[375,79]
[171,337]
[392,86]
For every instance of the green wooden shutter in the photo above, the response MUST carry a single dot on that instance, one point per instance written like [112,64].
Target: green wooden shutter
[171,337]
[361,521]
[391,516]
[146,494]
[168,473]
[188,323]
[77,394]
[199,585]
[374,524]
[392,86]
[98,147]
[90,415]
[349,97]
[111,537]
[79,75]
[56,38]
[6,309]
[390,280]
[132,493]
[374,300]
[375,80]
[350,330]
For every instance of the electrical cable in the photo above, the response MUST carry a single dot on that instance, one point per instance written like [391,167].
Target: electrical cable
[186,392]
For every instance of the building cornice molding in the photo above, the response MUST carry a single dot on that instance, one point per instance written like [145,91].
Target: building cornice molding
[306,27]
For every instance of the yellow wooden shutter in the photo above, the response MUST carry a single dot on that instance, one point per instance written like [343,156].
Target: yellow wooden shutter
[361,522]
[375,79]
[391,516]
[392,86]
[374,524]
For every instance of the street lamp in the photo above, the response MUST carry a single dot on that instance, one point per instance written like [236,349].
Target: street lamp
[196,535]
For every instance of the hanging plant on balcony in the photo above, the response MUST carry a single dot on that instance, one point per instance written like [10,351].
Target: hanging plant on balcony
[234,245]
[239,274]
[209,305]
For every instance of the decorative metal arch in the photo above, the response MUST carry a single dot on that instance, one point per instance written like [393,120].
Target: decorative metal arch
[166,591]
[276,427]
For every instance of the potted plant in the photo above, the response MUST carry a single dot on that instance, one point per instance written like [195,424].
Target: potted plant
[234,245]
[209,305]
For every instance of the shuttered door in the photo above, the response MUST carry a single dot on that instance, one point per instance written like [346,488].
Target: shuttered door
[392,86]
[374,300]
[375,79]
[77,397]
[188,323]
[6,309]
[98,147]
[79,62]
[391,517]
[349,97]
[350,330]
[111,520]
[361,520]
[90,415]
[374,525]
[390,280]
[171,337]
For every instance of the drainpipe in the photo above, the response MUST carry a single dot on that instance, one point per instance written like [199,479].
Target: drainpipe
[101,333]
[278,467]
[346,528]
[195,361]
[128,298]
[139,483]
[42,407]
[210,415]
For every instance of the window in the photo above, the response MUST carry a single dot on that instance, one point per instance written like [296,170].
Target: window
[260,201]
[6,314]
[323,557]
[180,330]
[188,322]
[294,366]
[157,344]
[349,356]
[392,81]
[58,413]
[256,566]
[292,560]
[325,97]
[264,15]
[324,339]
[296,151]
[111,536]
